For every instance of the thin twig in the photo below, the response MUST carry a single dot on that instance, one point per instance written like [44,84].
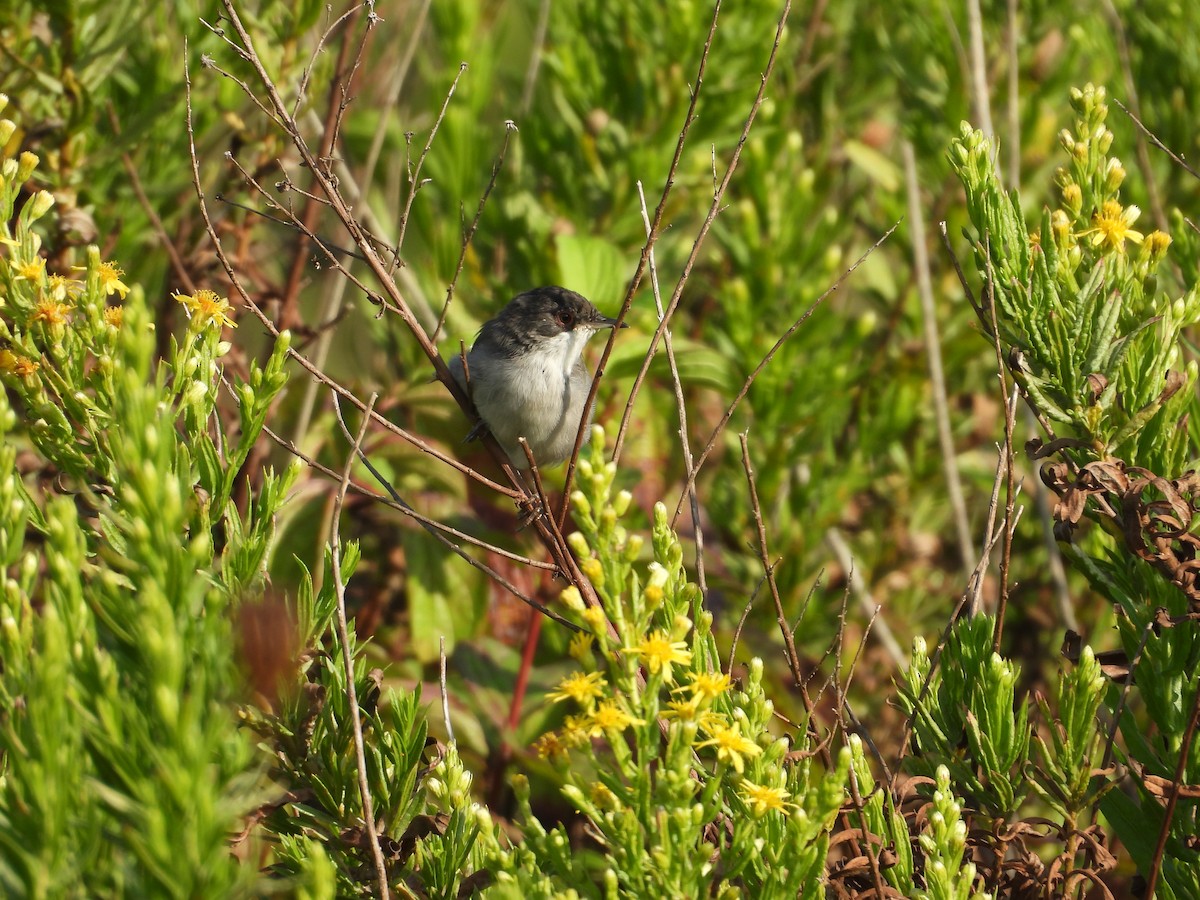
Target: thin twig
[392,98]
[933,350]
[1014,97]
[966,600]
[289,314]
[414,182]
[984,316]
[542,498]
[336,297]
[644,259]
[872,856]
[844,701]
[1010,523]
[1143,155]
[681,409]
[360,755]
[535,56]
[980,92]
[714,208]
[741,394]
[789,642]
[866,602]
[1185,750]
[1154,139]
[433,530]
[509,128]
[442,685]
[318,49]
[156,222]
[1111,742]
[737,633]
[393,501]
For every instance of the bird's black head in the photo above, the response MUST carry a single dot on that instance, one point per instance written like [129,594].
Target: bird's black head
[539,315]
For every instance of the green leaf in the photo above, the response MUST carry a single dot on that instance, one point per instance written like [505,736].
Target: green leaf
[874,165]
[442,602]
[594,267]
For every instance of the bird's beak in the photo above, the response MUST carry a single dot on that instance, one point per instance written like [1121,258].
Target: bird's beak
[606,322]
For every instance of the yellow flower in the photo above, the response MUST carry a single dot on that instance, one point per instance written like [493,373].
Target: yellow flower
[653,592]
[110,279]
[659,652]
[580,647]
[731,745]
[15,364]
[608,717]
[53,313]
[30,271]
[63,288]
[594,617]
[572,598]
[551,746]
[1072,196]
[1156,245]
[763,799]
[709,685]
[683,710]
[114,316]
[583,689]
[205,306]
[1060,224]
[593,570]
[1111,225]
[603,797]
[574,732]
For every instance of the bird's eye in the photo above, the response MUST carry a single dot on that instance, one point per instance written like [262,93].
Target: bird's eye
[565,318]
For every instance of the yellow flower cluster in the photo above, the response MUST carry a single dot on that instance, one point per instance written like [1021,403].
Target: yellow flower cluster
[15,364]
[763,799]
[731,745]
[205,306]
[658,653]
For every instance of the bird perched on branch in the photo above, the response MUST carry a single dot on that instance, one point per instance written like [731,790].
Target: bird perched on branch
[526,374]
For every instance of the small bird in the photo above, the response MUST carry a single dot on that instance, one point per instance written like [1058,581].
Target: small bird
[527,374]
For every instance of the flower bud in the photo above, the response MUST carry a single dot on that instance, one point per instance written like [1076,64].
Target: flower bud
[1156,244]
[633,547]
[39,205]
[1060,222]
[579,544]
[26,163]
[621,502]
[1072,196]
[1114,175]
[581,503]
[572,598]
[594,571]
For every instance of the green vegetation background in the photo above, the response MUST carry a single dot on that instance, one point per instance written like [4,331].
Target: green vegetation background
[841,424]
